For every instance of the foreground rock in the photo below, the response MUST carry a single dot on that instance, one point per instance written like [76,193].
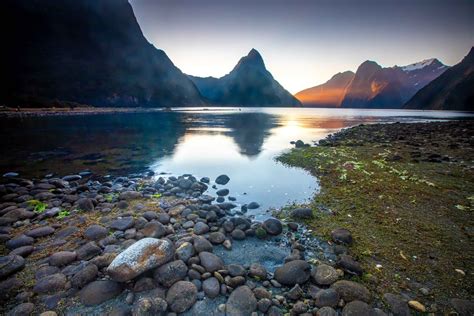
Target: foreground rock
[10,264]
[241,302]
[181,296]
[145,254]
[99,291]
[293,272]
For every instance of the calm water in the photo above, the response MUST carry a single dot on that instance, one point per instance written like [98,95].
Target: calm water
[241,144]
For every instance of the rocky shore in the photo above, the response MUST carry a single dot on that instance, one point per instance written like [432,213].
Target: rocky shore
[62,111]
[156,246]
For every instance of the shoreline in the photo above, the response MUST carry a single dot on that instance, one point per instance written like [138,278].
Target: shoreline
[395,187]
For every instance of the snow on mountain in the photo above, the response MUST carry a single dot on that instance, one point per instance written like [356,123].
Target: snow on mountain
[418,65]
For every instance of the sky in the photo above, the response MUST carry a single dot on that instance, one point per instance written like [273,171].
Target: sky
[303,42]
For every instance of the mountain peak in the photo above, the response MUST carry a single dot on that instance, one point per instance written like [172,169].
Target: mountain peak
[422,64]
[253,59]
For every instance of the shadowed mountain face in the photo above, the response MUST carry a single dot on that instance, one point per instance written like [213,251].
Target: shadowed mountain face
[453,90]
[248,84]
[377,87]
[88,51]
[329,94]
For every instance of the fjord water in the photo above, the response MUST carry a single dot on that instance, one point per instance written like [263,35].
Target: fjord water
[241,143]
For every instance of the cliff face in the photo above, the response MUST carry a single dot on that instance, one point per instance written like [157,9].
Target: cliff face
[453,90]
[248,84]
[87,51]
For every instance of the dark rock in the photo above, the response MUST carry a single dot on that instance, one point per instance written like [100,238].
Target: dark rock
[222,179]
[10,264]
[200,228]
[324,275]
[211,287]
[236,270]
[45,270]
[272,226]
[222,192]
[62,258]
[238,234]
[327,311]
[293,272]
[355,308]
[241,302]
[88,251]
[202,244]
[99,291]
[328,297]
[153,230]
[85,204]
[210,261]
[258,271]
[351,291]
[22,309]
[295,293]
[463,307]
[253,205]
[216,238]
[341,235]
[40,232]
[50,284]
[171,272]
[274,311]
[72,177]
[19,241]
[181,296]
[95,232]
[84,276]
[398,306]
[264,304]
[302,213]
[150,306]
[123,223]
[145,254]
[24,251]
[348,264]
[130,195]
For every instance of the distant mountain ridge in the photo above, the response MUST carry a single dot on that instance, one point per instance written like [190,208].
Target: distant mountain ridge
[89,51]
[373,86]
[453,90]
[248,84]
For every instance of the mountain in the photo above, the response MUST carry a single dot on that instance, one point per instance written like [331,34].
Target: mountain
[328,94]
[453,90]
[376,87]
[248,84]
[88,51]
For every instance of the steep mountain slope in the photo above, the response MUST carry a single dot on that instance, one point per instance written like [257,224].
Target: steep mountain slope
[328,94]
[88,51]
[248,84]
[376,87]
[453,90]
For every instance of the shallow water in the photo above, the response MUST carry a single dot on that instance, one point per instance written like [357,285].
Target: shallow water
[241,143]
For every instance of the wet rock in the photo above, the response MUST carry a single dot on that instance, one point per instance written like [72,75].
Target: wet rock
[326,311]
[293,272]
[185,251]
[211,287]
[222,192]
[398,306]
[153,230]
[200,228]
[22,309]
[253,205]
[19,241]
[62,258]
[238,234]
[324,275]
[88,251]
[95,232]
[261,292]
[258,271]
[10,264]
[341,235]
[123,223]
[72,177]
[181,296]
[202,244]
[99,291]
[264,304]
[24,251]
[210,261]
[50,284]
[216,238]
[40,232]
[351,291]
[236,270]
[463,307]
[145,254]
[328,297]
[222,179]
[85,204]
[302,213]
[150,306]
[348,264]
[295,293]
[171,272]
[355,308]
[130,195]
[241,302]
[272,226]
[84,276]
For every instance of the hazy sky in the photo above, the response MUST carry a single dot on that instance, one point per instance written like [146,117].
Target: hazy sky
[303,42]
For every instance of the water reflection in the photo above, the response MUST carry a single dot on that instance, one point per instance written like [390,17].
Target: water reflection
[242,144]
